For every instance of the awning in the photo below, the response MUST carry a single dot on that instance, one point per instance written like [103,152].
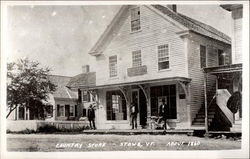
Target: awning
[170,79]
[224,69]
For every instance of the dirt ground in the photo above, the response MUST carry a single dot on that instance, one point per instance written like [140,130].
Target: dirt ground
[80,142]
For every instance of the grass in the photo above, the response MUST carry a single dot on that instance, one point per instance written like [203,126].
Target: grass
[57,142]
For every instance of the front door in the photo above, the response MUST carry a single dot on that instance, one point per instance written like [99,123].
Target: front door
[139,99]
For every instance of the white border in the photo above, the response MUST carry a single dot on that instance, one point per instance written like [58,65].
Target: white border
[243,153]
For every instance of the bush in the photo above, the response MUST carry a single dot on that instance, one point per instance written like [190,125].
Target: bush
[48,129]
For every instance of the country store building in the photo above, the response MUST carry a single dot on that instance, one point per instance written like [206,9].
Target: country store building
[149,53]
[152,52]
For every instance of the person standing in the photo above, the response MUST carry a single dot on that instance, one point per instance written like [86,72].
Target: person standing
[134,112]
[163,113]
[91,116]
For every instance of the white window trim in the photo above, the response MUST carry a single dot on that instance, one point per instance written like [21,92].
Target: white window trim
[73,106]
[117,67]
[169,57]
[131,31]
[133,59]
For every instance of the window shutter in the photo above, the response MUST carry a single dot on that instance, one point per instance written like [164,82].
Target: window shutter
[79,95]
[75,110]
[58,110]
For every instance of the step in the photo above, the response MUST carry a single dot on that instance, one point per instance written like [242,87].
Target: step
[203,116]
[202,120]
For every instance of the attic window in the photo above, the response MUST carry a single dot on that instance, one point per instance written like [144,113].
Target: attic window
[135,19]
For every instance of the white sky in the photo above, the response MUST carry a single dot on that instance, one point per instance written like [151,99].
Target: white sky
[61,36]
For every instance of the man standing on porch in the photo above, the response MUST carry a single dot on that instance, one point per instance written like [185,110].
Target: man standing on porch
[91,116]
[134,112]
[163,113]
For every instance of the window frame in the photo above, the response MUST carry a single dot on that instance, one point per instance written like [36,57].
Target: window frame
[73,110]
[60,111]
[133,20]
[120,104]
[88,96]
[115,71]
[134,59]
[219,55]
[201,66]
[157,50]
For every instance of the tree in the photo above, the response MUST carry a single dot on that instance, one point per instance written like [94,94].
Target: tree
[27,85]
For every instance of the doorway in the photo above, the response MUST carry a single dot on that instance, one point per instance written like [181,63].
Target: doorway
[139,99]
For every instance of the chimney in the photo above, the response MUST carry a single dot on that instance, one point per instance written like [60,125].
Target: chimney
[173,7]
[85,68]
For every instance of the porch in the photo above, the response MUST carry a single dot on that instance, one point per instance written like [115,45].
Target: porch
[113,103]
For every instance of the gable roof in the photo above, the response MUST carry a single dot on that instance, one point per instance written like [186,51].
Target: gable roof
[187,22]
[83,80]
[194,25]
[61,90]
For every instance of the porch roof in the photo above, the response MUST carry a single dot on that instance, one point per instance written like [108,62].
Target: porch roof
[224,69]
[170,79]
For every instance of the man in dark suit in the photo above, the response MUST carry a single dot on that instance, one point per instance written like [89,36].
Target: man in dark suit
[91,116]
[134,112]
[163,113]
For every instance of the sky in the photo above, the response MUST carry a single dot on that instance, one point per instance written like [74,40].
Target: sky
[60,37]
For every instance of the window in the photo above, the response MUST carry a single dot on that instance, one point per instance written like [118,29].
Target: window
[136,57]
[113,66]
[135,19]
[163,57]
[84,112]
[61,110]
[71,110]
[221,57]
[86,96]
[116,106]
[167,92]
[203,56]
[49,111]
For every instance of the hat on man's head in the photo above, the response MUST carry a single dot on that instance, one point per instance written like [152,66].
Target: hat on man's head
[163,100]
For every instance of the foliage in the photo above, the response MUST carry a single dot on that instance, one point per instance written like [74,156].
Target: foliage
[27,85]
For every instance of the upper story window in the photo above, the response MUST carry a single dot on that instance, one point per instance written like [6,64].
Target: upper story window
[113,66]
[136,57]
[221,57]
[203,56]
[135,19]
[163,57]
[85,96]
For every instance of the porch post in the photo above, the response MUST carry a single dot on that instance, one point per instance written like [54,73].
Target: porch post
[186,88]
[145,90]
[205,98]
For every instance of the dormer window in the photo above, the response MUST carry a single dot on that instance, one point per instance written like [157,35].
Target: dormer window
[135,19]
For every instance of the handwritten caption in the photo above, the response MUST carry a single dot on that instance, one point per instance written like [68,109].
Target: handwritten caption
[125,144]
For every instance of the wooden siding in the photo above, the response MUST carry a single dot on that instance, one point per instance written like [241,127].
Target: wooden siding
[196,73]
[155,30]
[237,41]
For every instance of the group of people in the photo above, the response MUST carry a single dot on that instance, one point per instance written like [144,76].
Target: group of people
[163,115]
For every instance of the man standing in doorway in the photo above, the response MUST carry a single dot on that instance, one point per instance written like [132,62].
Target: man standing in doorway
[91,116]
[134,112]
[163,113]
